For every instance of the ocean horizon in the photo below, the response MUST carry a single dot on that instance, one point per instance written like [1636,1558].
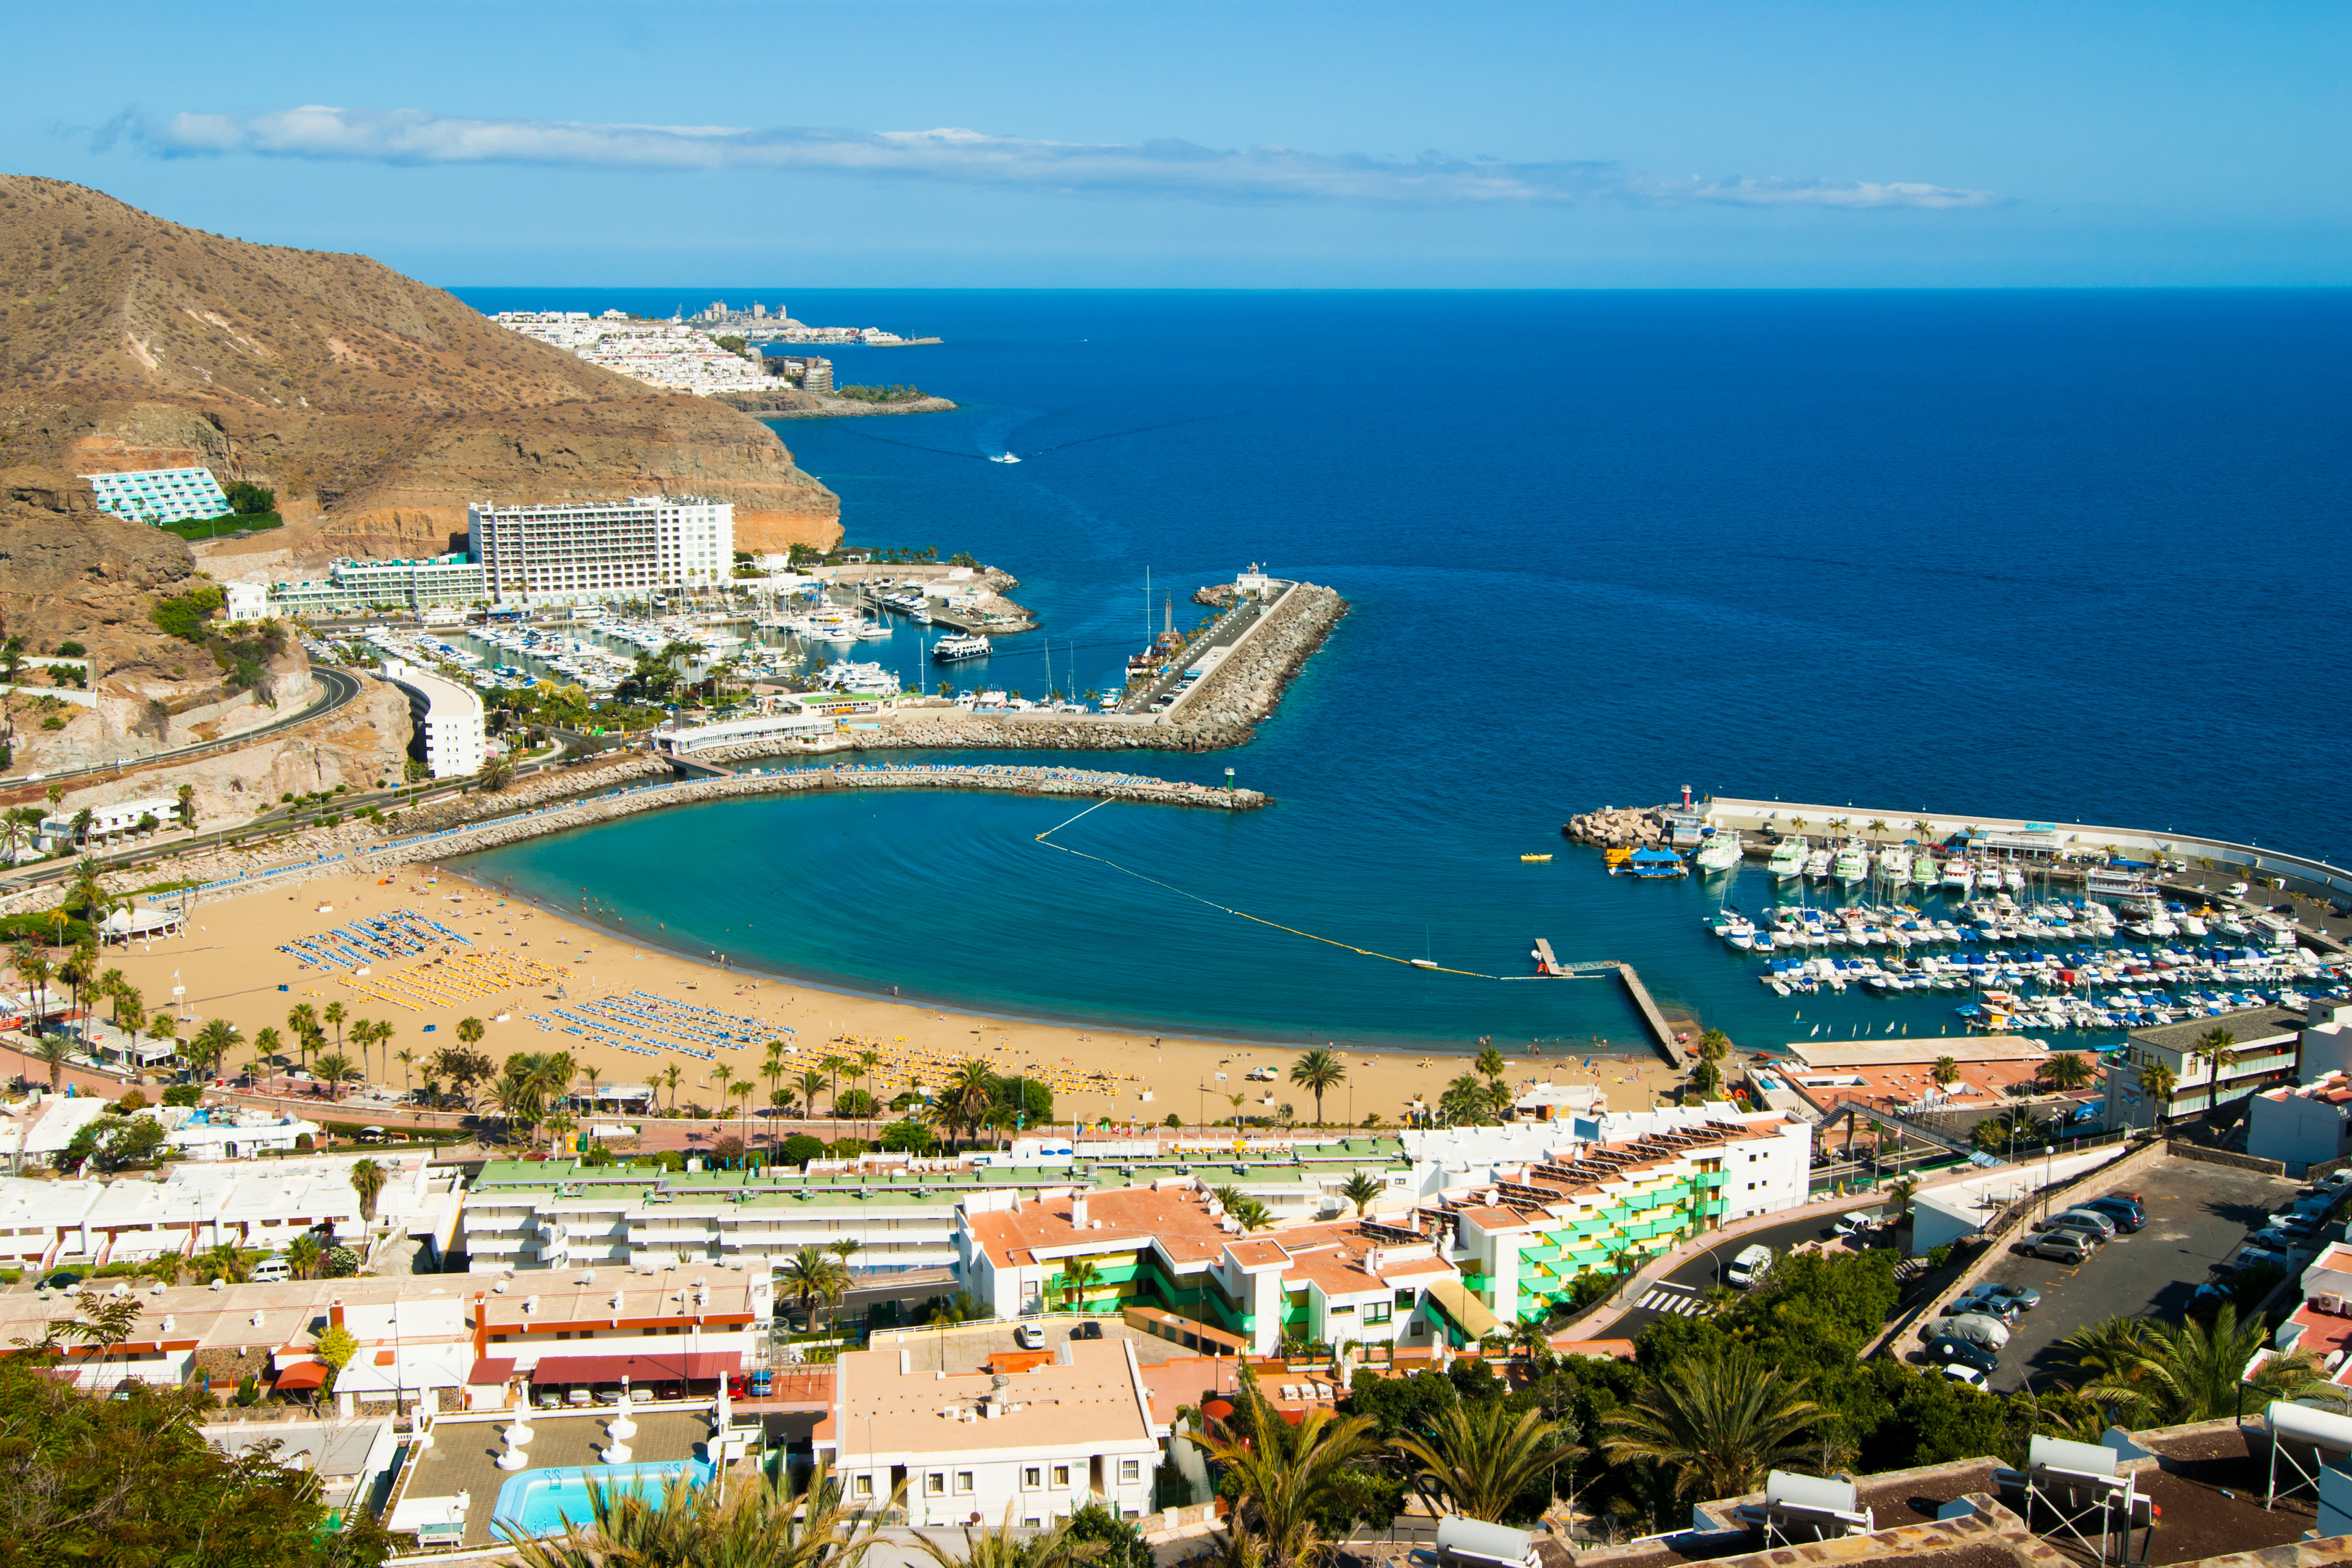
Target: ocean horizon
[2035,553]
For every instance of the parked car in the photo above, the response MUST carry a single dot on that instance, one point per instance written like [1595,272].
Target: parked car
[2253,1255]
[2270,1238]
[2295,1223]
[1946,1350]
[2072,1247]
[1855,1223]
[1977,1329]
[271,1271]
[1089,1329]
[1029,1337]
[2026,1297]
[2087,1217]
[1749,1267]
[1977,1302]
[1966,1376]
[2127,1215]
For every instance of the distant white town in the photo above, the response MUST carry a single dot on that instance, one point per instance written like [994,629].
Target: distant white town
[684,355]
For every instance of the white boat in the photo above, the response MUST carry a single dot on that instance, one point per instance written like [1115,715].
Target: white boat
[1958,874]
[1787,860]
[1895,865]
[1009,457]
[1853,863]
[1721,852]
[959,645]
[1816,864]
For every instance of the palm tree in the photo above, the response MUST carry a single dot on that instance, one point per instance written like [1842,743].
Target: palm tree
[55,1051]
[1719,1424]
[211,1043]
[964,1098]
[407,1060]
[2186,1371]
[226,1261]
[367,1181]
[2065,1071]
[868,1060]
[1284,1476]
[1249,1214]
[1945,1072]
[2113,1351]
[1361,1189]
[808,1082]
[1314,1072]
[80,971]
[773,1070]
[305,1253]
[334,1015]
[670,1074]
[811,1276]
[1877,825]
[1902,1190]
[1002,1546]
[470,1031]
[833,1065]
[1476,1459]
[2157,1081]
[760,1521]
[1079,1276]
[2215,1048]
[334,1070]
[34,968]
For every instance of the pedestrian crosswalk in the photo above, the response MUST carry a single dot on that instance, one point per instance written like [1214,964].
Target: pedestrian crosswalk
[1675,1298]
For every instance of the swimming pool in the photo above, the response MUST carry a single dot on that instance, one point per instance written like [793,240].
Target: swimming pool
[544,1502]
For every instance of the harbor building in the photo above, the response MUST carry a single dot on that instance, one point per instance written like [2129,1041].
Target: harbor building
[1637,1183]
[160,495]
[2262,1052]
[1033,1445]
[795,723]
[448,717]
[580,550]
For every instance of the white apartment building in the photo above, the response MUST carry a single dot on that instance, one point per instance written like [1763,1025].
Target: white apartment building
[967,1447]
[448,717]
[576,551]
[356,587]
[1639,1181]
[159,495]
[797,724]
[108,822]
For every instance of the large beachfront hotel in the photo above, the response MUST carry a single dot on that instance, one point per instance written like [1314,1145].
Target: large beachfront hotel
[567,552]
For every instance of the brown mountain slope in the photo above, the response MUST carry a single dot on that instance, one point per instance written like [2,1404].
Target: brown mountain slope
[127,342]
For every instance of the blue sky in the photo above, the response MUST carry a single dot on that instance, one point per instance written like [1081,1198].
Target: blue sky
[1225,144]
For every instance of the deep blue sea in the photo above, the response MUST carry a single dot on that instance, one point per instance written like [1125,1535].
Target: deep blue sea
[2070,556]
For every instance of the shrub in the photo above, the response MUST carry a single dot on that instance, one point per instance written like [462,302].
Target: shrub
[188,615]
[184,1094]
[799,1148]
[132,1101]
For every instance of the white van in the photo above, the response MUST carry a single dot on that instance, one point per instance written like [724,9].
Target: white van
[270,1271]
[1749,1267]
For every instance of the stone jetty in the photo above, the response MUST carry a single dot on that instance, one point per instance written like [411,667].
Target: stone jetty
[1617,828]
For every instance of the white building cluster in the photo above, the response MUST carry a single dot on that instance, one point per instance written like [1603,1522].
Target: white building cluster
[449,716]
[667,355]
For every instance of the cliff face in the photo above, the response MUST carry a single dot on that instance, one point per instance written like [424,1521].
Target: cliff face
[127,342]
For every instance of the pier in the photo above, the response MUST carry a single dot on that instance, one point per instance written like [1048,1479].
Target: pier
[1661,1034]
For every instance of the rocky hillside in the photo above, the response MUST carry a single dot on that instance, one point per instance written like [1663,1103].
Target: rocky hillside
[377,402]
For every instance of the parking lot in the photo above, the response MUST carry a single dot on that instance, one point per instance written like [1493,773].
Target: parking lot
[2198,1214]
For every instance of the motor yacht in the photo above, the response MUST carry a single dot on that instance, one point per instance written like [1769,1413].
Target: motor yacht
[1787,860]
[1721,852]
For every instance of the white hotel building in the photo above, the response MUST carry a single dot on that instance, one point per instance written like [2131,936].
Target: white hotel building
[583,551]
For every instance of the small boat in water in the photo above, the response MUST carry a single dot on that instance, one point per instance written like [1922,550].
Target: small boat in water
[1533,857]
[1652,863]
[1421,963]
[1006,458]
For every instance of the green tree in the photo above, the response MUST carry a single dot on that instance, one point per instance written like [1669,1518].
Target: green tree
[1003,1546]
[1079,1276]
[2065,1071]
[2189,1372]
[1717,1424]
[1945,1072]
[1476,1460]
[1316,1072]
[1361,1189]
[759,1523]
[1283,1479]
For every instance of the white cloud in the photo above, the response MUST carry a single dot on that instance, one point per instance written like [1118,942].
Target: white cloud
[410,136]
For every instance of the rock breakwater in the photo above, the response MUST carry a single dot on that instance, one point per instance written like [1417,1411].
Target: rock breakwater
[1618,826]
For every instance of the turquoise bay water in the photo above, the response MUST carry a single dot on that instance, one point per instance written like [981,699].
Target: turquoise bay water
[2048,555]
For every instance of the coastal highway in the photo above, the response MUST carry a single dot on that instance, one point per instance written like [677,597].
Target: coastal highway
[336,690]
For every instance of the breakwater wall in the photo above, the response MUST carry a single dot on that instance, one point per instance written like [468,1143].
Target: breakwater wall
[1069,784]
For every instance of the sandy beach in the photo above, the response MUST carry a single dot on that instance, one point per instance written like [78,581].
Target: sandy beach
[631,1008]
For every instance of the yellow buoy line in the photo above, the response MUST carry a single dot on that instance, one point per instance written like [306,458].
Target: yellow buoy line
[1046,837]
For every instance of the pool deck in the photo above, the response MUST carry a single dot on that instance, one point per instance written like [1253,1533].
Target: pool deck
[464,1455]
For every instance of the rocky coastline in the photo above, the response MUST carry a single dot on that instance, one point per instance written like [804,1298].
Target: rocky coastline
[1617,828]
